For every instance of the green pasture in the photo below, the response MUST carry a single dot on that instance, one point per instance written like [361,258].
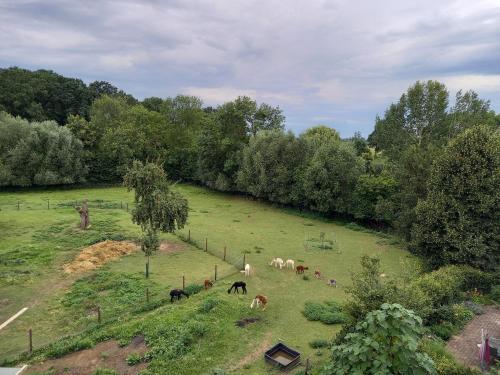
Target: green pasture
[35,241]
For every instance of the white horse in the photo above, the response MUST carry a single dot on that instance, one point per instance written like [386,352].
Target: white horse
[290,264]
[277,262]
[259,301]
[247,270]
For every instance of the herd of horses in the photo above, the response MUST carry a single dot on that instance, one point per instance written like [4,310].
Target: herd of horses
[259,300]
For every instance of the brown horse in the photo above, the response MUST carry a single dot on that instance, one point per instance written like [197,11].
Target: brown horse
[317,274]
[208,284]
[259,300]
[301,269]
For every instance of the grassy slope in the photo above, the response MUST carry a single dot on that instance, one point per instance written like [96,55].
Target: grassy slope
[238,223]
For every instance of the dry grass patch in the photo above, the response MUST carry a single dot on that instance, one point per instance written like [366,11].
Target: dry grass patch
[94,256]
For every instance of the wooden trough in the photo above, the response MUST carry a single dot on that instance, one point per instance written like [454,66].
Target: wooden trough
[282,357]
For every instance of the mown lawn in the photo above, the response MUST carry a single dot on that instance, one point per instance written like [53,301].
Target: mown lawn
[36,241]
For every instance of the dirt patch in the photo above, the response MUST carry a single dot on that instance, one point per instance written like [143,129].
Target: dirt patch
[464,345]
[246,321]
[96,255]
[253,356]
[104,355]
[171,247]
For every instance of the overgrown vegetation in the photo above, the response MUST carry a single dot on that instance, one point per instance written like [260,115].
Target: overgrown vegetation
[329,312]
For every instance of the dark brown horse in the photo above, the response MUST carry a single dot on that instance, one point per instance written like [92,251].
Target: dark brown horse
[177,293]
[301,269]
[236,285]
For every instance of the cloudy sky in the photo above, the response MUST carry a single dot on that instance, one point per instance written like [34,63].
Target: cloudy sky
[334,62]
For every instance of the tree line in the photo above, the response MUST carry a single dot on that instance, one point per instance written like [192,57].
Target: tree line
[429,170]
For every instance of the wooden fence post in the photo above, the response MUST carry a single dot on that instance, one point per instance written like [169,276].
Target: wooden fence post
[18,205]
[189,235]
[30,335]
[183,282]
[99,314]
[147,295]
[224,253]
[127,206]
[121,204]
[215,272]
[48,204]
[244,260]
[206,244]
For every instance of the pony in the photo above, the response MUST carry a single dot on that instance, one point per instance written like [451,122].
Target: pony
[259,300]
[317,274]
[301,269]
[236,285]
[277,262]
[332,282]
[208,284]
[177,293]
[247,270]
[290,264]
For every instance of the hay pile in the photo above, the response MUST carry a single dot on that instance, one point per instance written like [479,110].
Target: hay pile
[96,255]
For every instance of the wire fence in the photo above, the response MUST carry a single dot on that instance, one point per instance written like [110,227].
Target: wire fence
[152,297]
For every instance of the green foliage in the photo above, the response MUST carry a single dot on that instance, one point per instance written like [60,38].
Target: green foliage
[457,223]
[208,305]
[156,206]
[443,361]
[385,342]
[270,165]
[104,371]
[192,289]
[38,154]
[65,346]
[495,293]
[134,359]
[328,313]
[318,344]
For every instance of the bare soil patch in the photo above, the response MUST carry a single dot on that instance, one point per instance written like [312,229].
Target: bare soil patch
[94,256]
[104,355]
[464,345]
[246,321]
[171,247]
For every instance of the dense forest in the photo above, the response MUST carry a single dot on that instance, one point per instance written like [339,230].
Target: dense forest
[429,171]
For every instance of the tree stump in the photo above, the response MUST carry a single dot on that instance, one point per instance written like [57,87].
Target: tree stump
[84,215]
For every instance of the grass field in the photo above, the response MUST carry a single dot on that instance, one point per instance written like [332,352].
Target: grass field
[36,241]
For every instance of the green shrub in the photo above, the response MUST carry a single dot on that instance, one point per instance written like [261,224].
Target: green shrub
[65,346]
[328,313]
[133,359]
[495,293]
[305,278]
[461,315]
[443,361]
[317,344]
[443,330]
[104,371]
[193,289]
[208,305]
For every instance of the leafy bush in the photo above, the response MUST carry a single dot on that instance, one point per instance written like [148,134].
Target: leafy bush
[133,359]
[443,361]
[328,313]
[305,278]
[193,289]
[65,346]
[208,305]
[316,344]
[104,371]
[495,293]
[443,330]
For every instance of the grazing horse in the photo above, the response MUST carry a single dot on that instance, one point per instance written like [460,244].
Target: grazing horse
[290,264]
[236,285]
[277,262]
[177,293]
[247,270]
[317,274]
[332,282]
[208,284]
[259,300]
[301,269]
